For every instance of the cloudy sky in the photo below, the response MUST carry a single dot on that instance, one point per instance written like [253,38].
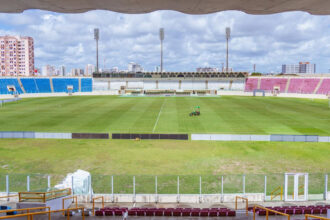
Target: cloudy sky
[190,40]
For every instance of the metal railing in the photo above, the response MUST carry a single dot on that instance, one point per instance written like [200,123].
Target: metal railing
[49,212]
[246,205]
[315,217]
[267,212]
[43,196]
[275,193]
[96,198]
[25,209]
[74,198]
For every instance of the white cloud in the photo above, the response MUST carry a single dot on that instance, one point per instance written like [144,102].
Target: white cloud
[190,40]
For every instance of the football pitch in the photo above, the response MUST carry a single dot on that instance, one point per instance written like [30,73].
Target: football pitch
[227,114]
[236,115]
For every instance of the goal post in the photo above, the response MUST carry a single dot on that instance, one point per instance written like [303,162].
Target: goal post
[258,91]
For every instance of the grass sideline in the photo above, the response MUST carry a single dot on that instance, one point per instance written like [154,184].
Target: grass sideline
[166,159]
[227,114]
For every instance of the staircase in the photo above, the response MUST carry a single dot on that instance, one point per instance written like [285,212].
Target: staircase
[20,84]
[259,82]
[51,84]
[287,85]
[318,86]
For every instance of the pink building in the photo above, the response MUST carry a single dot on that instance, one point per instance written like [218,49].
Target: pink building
[16,56]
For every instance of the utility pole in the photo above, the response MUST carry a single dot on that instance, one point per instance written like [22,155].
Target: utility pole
[96,37]
[227,38]
[161,37]
[254,68]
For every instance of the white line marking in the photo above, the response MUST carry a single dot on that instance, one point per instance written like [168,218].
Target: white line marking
[160,111]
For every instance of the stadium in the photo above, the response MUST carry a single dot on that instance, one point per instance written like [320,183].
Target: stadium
[165,144]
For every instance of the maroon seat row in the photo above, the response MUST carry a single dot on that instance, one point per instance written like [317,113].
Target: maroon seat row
[295,210]
[214,212]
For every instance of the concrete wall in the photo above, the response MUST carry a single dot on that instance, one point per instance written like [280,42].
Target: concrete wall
[172,198]
[273,137]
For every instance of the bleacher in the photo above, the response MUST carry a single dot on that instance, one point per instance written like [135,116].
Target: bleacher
[86,85]
[251,84]
[295,210]
[303,85]
[324,87]
[4,83]
[61,84]
[268,84]
[35,85]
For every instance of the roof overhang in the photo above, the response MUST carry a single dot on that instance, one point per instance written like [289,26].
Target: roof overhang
[317,7]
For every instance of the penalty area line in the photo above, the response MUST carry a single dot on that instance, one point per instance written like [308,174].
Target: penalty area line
[160,111]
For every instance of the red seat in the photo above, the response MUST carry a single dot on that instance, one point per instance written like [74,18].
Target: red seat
[317,211]
[99,213]
[298,211]
[204,213]
[308,211]
[140,212]
[186,212]
[168,212]
[262,212]
[177,212]
[231,213]
[159,212]
[289,211]
[213,213]
[150,212]
[118,212]
[324,211]
[223,213]
[195,212]
[132,213]
[108,213]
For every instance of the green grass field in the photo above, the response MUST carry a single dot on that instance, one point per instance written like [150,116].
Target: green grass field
[165,158]
[236,115]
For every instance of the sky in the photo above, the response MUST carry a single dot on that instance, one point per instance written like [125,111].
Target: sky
[191,41]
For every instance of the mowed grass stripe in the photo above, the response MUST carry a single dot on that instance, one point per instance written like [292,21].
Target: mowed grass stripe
[241,115]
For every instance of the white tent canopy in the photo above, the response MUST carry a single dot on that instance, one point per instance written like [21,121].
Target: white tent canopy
[317,7]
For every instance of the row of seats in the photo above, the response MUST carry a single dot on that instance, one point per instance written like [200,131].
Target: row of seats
[43,85]
[295,210]
[195,212]
[294,85]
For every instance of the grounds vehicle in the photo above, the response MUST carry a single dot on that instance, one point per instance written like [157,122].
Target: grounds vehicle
[196,111]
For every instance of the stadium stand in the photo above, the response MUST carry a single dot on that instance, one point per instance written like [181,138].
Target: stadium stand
[268,84]
[35,85]
[251,84]
[295,210]
[324,87]
[303,85]
[4,83]
[195,212]
[61,84]
[43,85]
[86,85]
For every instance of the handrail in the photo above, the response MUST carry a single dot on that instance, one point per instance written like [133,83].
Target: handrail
[75,198]
[44,196]
[272,196]
[47,212]
[25,209]
[7,197]
[246,206]
[267,212]
[315,216]
[100,197]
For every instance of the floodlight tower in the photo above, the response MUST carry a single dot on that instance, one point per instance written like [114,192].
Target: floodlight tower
[227,37]
[96,38]
[161,37]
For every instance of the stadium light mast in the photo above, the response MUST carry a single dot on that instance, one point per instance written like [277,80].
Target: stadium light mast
[227,38]
[96,38]
[161,37]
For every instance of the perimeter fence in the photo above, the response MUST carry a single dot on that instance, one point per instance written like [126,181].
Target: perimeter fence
[318,184]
